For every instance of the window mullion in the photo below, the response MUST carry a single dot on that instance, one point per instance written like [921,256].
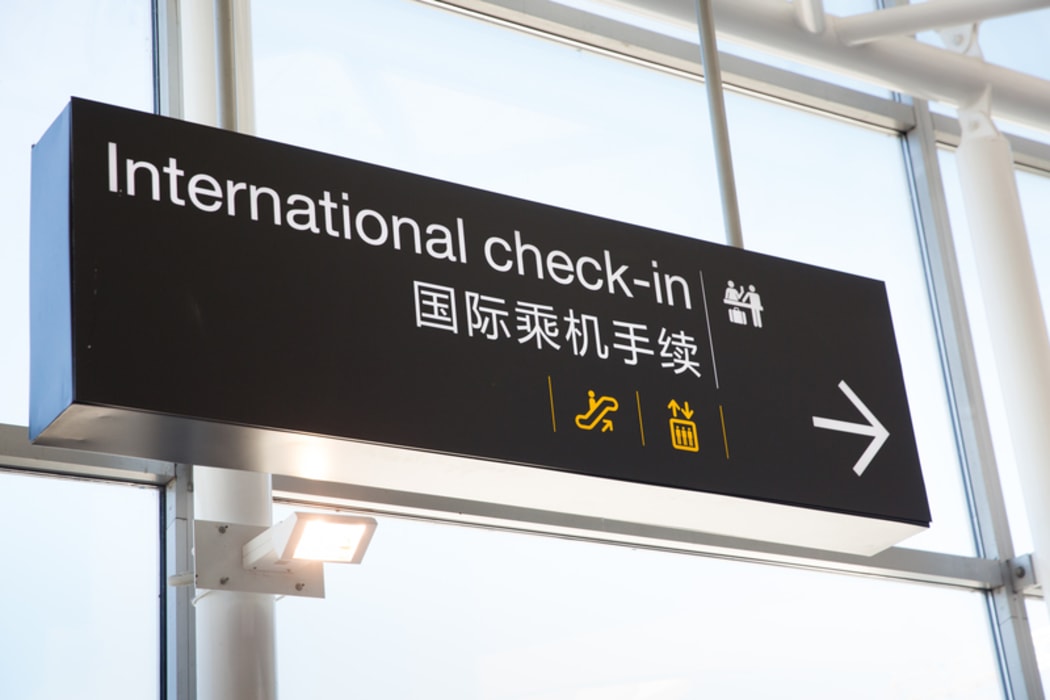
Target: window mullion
[976,452]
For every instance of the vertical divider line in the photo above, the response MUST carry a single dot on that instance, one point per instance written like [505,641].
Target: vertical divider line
[550,391]
[641,428]
[725,438]
[707,321]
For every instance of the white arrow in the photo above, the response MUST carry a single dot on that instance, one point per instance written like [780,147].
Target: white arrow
[873,428]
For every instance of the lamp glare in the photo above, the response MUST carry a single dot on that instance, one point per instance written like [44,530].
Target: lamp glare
[329,541]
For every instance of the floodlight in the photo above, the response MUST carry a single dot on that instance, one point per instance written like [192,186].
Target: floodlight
[284,559]
[317,537]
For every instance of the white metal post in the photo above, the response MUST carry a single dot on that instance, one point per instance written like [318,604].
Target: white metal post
[236,647]
[1006,605]
[1015,314]
[719,125]
[199,58]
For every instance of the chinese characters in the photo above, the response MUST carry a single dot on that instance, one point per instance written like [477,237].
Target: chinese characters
[545,327]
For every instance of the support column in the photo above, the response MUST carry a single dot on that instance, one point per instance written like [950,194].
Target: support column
[1006,606]
[719,126]
[1015,314]
[236,649]
[236,645]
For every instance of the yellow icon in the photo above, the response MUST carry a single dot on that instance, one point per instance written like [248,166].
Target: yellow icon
[597,410]
[684,435]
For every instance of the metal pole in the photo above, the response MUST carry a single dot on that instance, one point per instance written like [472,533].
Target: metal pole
[233,45]
[719,127]
[810,15]
[1006,605]
[235,643]
[180,628]
[1015,318]
[196,34]
[236,640]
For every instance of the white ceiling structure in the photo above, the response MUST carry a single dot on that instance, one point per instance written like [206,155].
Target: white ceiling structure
[875,47]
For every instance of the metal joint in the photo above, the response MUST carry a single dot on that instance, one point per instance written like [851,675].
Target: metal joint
[1022,577]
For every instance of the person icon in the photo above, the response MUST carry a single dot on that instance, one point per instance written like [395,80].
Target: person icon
[754,301]
[732,293]
[733,300]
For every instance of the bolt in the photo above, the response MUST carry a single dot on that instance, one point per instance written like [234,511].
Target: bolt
[300,586]
[1020,572]
[224,580]
[223,529]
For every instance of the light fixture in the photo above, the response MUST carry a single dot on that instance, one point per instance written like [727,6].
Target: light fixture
[312,537]
[284,559]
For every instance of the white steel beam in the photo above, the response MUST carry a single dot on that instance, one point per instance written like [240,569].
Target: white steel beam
[1006,604]
[810,14]
[1015,322]
[904,20]
[900,64]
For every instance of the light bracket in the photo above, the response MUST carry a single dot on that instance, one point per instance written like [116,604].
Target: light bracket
[284,559]
[218,554]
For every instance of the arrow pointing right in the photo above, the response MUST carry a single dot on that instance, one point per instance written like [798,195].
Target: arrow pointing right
[873,428]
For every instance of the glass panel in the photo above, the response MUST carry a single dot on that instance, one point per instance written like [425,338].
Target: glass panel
[833,8]
[1034,191]
[51,50]
[440,94]
[1039,620]
[1018,42]
[80,589]
[680,22]
[451,612]
[828,193]
[1008,127]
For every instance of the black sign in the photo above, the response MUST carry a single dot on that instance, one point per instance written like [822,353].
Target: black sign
[186,272]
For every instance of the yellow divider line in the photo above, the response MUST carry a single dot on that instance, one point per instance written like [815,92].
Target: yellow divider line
[550,390]
[725,440]
[641,428]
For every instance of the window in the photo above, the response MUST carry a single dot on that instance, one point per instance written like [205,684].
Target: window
[435,93]
[457,613]
[450,611]
[1034,190]
[80,593]
[49,52]
[829,193]
[80,590]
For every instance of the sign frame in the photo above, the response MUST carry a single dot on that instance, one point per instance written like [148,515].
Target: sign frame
[98,244]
